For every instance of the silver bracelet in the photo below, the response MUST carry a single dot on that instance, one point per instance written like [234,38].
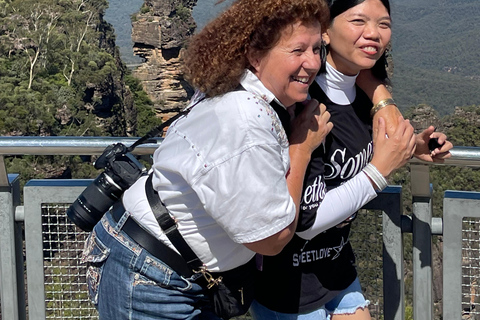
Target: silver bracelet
[372,172]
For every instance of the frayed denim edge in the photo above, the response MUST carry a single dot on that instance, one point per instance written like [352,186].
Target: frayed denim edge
[350,310]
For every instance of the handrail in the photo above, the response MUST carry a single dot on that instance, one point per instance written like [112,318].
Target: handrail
[68,145]
[64,145]
[71,145]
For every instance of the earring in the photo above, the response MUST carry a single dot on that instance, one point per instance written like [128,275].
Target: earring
[386,55]
[323,52]
[323,57]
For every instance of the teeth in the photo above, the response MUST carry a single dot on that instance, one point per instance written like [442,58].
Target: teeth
[371,49]
[302,80]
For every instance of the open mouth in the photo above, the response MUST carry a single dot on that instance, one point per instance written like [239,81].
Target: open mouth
[303,80]
[370,49]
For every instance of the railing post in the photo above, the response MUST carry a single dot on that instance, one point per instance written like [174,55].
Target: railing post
[422,243]
[36,193]
[11,251]
[456,206]
[390,202]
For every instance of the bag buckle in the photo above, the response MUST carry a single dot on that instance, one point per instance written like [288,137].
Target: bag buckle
[211,281]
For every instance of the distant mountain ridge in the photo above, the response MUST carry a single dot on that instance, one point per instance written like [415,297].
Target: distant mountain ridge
[436,50]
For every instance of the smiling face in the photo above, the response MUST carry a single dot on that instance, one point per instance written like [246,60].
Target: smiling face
[358,37]
[291,65]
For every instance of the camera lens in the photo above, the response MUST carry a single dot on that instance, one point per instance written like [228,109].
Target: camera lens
[94,201]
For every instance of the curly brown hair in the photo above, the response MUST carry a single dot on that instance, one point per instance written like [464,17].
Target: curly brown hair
[217,56]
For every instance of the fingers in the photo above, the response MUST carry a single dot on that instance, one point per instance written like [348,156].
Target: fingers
[311,108]
[429,131]
[442,153]
[323,109]
[442,138]
[380,130]
[401,127]
[412,145]
[310,126]
[321,115]
[325,117]
[406,133]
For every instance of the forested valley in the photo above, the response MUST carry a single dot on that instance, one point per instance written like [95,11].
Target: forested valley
[61,75]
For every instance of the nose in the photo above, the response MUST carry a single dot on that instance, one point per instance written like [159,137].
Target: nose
[312,61]
[371,31]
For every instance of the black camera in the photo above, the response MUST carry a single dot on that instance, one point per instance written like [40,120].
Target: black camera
[121,170]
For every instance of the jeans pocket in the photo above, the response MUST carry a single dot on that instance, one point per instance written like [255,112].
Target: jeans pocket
[94,255]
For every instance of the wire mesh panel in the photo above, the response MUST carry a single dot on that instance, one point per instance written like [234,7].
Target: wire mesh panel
[66,292]
[471,268]
[366,239]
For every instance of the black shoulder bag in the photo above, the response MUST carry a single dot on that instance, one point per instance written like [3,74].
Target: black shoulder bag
[230,292]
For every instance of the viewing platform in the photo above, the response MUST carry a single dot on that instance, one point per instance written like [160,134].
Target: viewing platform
[41,276]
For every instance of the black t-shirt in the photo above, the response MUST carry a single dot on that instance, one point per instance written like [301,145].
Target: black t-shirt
[308,274]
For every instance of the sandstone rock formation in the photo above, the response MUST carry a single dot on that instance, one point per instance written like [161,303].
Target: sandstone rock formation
[159,32]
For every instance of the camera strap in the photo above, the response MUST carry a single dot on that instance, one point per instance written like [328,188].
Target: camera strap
[169,227]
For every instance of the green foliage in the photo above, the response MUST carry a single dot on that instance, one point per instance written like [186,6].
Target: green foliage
[183,13]
[409,312]
[435,53]
[145,9]
[49,58]
[144,106]
[76,86]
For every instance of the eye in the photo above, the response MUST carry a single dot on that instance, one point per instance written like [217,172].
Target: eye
[357,22]
[317,49]
[298,51]
[385,25]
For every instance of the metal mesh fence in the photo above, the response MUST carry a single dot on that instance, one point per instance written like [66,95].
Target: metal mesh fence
[471,268]
[367,243]
[65,289]
[66,292]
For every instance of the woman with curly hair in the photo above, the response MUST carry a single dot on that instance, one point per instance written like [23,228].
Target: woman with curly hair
[226,172]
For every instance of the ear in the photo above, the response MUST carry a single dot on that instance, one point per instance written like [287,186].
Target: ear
[253,60]
[326,38]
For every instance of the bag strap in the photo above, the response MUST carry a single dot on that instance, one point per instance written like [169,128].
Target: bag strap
[283,115]
[169,227]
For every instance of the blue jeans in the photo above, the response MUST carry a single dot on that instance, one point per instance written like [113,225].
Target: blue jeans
[127,282]
[347,302]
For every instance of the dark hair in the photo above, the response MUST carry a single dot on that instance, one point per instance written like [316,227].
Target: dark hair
[216,57]
[337,7]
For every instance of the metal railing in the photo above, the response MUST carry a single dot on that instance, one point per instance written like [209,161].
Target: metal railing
[52,245]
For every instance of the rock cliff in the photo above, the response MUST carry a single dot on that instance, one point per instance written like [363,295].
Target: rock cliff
[159,32]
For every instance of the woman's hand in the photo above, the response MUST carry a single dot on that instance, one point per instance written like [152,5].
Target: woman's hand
[392,152]
[310,127]
[390,115]
[439,154]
